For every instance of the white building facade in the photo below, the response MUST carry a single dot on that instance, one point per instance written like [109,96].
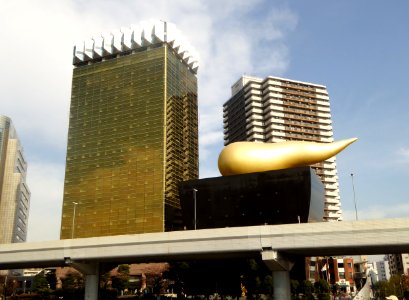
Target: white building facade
[275,110]
[14,192]
[383,270]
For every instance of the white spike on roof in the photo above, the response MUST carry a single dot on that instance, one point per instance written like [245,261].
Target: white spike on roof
[127,38]
[107,43]
[136,36]
[117,41]
[98,44]
[88,49]
[78,53]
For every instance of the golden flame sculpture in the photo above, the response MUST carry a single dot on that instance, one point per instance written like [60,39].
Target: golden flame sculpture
[249,157]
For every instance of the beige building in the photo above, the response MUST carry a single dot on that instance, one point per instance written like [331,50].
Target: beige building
[14,192]
[275,110]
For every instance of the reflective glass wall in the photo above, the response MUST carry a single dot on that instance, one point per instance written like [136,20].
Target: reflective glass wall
[118,162]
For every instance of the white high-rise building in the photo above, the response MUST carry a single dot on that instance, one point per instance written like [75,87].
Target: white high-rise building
[14,193]
[383,270]
[276,109]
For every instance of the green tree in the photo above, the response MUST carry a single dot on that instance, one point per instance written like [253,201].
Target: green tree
[73,280]
[321,286]
[121,280]
[380,289]
[251,278]
[268,286]
[104,280]
[295,286]
[322,289]
[51,279]
[72,286]
[40,282]
[307,289]
[178,274]
[41,285]
[396,286]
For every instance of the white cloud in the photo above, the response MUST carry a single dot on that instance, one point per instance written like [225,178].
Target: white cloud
[210,138]
[404,154]
[46,185]
[37,42]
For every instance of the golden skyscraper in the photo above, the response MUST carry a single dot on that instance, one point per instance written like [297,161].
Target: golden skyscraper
[133,133]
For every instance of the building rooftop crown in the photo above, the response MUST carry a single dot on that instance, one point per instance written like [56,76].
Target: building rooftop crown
[134,38]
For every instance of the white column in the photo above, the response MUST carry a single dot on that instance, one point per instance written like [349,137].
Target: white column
[282,287]
[91,287]
[280,266]
[91,272]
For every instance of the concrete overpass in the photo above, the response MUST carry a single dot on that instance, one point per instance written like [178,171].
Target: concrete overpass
[275,243]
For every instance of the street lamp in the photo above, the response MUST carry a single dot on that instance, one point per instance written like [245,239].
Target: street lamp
[194,204]
[353,190]
[5,288]
[24,286]
[73,220]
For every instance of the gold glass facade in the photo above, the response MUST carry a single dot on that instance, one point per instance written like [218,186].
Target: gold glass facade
[133,136]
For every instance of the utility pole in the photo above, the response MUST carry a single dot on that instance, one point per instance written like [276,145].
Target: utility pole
[194,205]
[353,190]
[73,220]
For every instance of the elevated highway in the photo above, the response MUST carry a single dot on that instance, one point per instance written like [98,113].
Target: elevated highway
[275,243]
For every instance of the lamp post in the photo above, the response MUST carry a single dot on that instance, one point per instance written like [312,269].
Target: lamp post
[73,220]
[353,190]
[5,288]
[24,286]
[194,205]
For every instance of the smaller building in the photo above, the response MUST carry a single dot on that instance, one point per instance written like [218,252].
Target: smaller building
[287,196]
[384,273]
[338,272]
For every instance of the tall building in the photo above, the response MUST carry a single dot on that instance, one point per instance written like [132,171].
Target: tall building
[398,263]
[14,192]
[133,133]
[277,109]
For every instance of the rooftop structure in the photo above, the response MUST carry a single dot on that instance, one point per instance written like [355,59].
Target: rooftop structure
[136,38]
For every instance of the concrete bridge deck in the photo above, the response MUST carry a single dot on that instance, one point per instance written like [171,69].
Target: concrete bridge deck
[275,244]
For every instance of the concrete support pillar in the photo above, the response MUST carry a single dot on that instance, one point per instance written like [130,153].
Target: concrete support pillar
[280,266]
[91,287]
[91,272]
[282,287]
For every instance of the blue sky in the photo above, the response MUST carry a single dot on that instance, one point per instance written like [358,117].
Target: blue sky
[358,49]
